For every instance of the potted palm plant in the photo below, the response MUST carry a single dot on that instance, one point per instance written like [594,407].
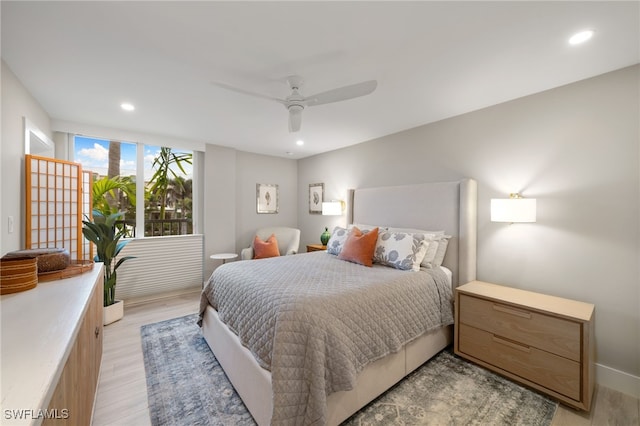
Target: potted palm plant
[102,232]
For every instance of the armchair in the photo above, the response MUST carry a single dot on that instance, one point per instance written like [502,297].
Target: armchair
[288,241]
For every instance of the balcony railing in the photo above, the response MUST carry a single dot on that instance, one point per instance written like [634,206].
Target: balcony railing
[158,227]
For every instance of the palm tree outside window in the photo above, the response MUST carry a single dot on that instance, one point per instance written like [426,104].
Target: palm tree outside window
[167,186]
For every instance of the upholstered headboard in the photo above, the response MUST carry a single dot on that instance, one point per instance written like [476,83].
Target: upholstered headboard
[448,206]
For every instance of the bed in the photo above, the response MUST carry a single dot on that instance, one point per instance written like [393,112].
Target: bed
[276,391]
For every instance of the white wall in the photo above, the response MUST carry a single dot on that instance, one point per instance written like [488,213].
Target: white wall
[575,149]
[254,169]
[17,103]
[219,204]
[230,198]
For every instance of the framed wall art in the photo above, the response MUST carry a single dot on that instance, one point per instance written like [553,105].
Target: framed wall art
[266,198]
[316,196]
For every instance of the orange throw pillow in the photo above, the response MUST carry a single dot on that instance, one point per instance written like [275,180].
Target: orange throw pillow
[264,249]
[359,247]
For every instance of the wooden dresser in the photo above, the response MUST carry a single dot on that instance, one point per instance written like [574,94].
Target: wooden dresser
[51,351]
[315,247]
[541,341]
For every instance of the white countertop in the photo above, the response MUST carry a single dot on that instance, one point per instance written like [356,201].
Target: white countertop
[37,331]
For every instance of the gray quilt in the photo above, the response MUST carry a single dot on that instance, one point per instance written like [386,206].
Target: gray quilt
[315,321]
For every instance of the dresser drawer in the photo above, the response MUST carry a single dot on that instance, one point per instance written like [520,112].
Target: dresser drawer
[556,335]
[551,371]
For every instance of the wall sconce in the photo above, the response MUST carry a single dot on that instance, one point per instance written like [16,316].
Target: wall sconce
[332,208]
[514,209]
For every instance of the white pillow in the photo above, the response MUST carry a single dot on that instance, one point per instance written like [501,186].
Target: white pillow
[430,255]
[400,250]
[337,239]
[436,251]
[414,231]
[443,242]
[364,228]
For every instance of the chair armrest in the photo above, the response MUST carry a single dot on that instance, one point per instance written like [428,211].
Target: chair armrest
[294,242]
[246,253]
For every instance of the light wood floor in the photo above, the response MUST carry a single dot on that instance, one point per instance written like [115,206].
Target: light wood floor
[122,391]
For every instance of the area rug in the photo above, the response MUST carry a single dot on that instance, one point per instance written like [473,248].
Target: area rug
[187,386]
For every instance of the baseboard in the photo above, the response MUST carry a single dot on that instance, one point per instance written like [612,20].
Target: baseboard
[618,380]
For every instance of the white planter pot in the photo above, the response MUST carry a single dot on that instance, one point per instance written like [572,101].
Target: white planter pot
[113,313]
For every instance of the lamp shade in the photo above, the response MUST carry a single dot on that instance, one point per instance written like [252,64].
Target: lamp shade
[513,210]
[332,208]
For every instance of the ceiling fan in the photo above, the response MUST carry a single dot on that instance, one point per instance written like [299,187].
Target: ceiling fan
[295,103]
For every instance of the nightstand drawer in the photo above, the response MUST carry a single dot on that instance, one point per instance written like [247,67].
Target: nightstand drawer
[551,334]
[551,371]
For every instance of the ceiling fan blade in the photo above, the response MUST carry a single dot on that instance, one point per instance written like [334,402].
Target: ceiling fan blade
[247,92]
[342,93]
[295,118]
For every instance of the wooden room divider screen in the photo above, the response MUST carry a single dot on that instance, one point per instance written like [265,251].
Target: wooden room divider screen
[58,196]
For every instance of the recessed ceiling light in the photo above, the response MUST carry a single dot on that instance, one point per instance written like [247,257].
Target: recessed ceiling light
[127,106]
[299,142]
[581,37]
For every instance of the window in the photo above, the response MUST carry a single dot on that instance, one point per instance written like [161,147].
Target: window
[167,184]
[168,176]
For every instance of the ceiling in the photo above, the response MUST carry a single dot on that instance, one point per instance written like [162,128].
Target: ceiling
[432,60]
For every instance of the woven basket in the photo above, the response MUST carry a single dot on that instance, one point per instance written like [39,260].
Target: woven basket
[18,274]
[49,259]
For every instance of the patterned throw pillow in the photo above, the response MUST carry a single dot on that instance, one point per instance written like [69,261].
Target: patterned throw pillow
[401,250]
[336,242]
[435,250]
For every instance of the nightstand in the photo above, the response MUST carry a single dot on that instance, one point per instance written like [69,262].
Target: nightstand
[315,247]
[541,341]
